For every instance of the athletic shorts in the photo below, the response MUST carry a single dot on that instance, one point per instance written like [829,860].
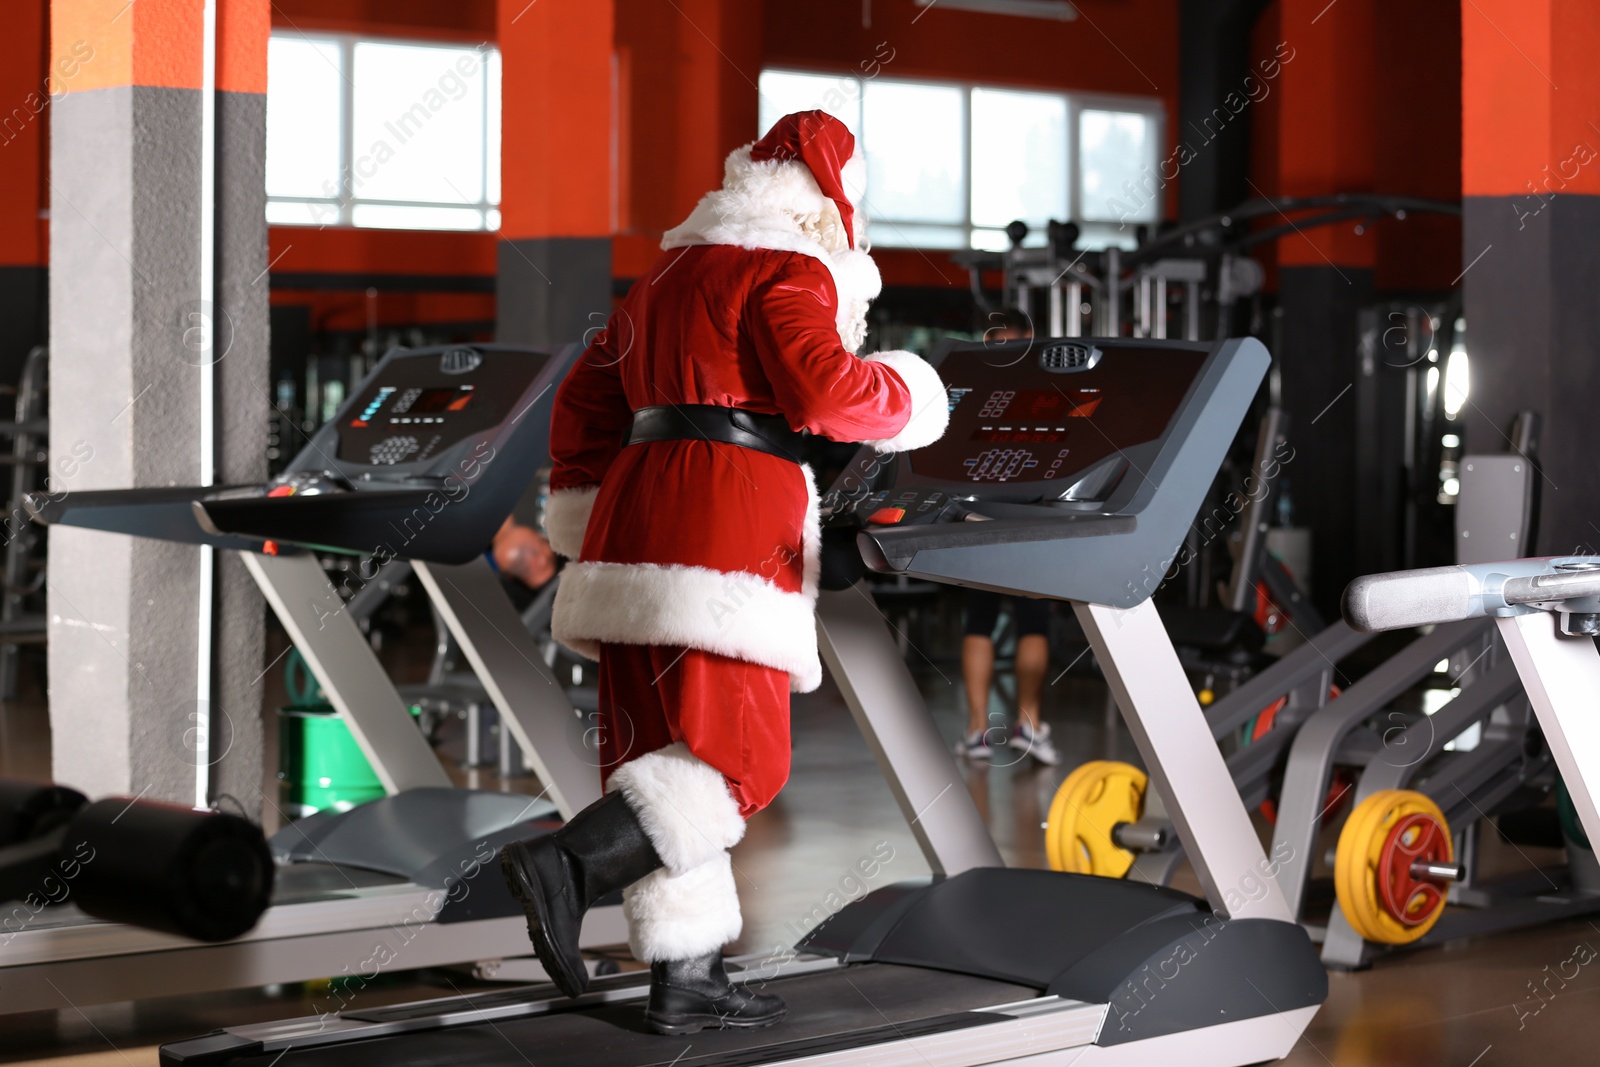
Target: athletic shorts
[983,611]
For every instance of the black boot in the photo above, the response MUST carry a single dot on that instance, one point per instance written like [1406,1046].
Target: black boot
[557,877]
[687,996]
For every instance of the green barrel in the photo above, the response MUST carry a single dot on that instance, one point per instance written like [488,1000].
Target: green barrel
[319,763]
[1571,828]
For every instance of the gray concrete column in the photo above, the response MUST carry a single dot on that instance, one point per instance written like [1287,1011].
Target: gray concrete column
[551,290]
[125,313]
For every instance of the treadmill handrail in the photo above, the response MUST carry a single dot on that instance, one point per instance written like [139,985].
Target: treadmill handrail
[1435,595]
[368,522]
[893,548]
[161,512]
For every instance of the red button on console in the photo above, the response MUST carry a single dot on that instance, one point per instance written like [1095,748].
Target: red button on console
[887,516]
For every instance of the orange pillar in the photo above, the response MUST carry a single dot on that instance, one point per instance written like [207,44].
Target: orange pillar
[26,85]
[1324,144]
[557,176]
[130,329]
[1326,122]
[683,107]
[1530,182]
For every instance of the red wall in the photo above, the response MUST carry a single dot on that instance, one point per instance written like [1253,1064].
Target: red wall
[686,84]
[1418,128]
[1403,128]
[463,20]
[24,140]
[686,94]
[686,98]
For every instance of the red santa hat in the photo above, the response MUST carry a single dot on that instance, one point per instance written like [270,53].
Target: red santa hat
[807,167]
[825,145]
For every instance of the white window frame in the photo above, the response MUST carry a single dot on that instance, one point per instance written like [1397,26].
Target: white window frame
[341,210]
[1151,107]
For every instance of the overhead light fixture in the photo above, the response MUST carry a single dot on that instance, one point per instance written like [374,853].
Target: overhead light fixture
[1059,10]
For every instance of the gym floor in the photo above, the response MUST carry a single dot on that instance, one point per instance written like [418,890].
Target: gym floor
[1469,1003]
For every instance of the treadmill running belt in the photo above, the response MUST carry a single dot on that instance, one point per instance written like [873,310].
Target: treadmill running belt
[848,1008]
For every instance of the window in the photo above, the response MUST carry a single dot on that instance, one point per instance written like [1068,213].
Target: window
[1113,148]
[950,166]
[916,154]
[1019,161]
[396,135]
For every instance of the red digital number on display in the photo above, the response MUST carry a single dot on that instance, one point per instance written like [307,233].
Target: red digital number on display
[1005,436]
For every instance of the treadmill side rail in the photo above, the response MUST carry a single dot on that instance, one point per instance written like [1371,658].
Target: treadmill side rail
[1183,759]
[342,660]
[506,660]
[893,717]
[1561,676]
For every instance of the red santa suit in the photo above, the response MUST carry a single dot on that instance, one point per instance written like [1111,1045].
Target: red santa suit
[694,565]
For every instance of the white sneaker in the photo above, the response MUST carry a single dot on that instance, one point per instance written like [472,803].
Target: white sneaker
[1037,743]
[974,745]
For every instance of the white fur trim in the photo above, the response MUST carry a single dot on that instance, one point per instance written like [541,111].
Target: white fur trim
[759,207]
[649,604]
[856,277]
[930,405]
[811,546]
[739,615]
[683,804]
[853,176]
[682,916]
[566,518]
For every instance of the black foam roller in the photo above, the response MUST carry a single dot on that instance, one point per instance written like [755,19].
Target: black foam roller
[32,809]
[203,875]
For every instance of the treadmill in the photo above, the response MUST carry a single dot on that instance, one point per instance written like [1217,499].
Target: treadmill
[1072,469]
[423,463]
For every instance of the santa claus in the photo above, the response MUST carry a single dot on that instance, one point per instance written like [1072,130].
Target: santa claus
[692,526]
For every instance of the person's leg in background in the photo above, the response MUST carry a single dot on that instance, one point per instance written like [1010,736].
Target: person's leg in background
[1033,660]
[977,672]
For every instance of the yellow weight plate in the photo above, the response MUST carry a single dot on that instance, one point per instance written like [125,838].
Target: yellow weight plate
[1360,856]
[1088,806]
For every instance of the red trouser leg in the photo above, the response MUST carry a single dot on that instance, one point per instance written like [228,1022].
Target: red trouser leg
[731,714]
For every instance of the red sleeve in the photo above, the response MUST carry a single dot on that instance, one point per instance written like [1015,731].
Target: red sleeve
[818,384]
[590,414]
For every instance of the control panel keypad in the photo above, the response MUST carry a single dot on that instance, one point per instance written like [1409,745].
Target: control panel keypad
[392,450]
[1000,464]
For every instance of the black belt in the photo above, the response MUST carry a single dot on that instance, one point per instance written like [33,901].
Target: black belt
[712,422]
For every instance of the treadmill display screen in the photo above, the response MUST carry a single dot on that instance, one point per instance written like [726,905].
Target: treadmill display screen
[1025,425]
[1012,434]
[432,401]
[415,409]
[1035,405]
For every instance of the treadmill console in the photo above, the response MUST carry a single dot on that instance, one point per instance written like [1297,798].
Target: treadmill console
[453,430]
[416,411]
[1060,422]
[1072,467]
[423,462]
[1034,425]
